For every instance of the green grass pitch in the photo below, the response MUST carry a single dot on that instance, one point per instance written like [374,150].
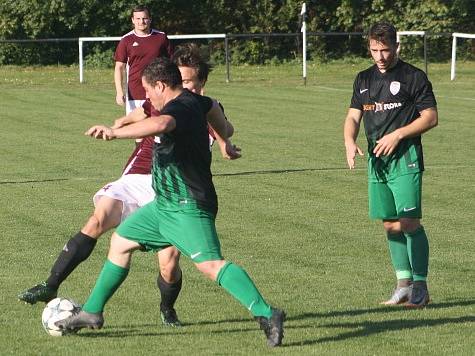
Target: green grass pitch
[290,213]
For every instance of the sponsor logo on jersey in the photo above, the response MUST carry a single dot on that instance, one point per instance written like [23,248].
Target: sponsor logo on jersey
[135,44]
[381,106]
[363,90]
[394,87]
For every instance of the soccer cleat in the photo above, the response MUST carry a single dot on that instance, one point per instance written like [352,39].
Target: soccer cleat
[419,297]
[169,318]
[81,320]
[273,327]
[400,295]
[39,293]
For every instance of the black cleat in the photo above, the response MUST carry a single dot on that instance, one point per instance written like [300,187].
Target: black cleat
[39,293]
[419,297]
[81,320]
[169,318]
[273,327]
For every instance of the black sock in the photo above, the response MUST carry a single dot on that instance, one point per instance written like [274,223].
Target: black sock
[76,250]
[168,292]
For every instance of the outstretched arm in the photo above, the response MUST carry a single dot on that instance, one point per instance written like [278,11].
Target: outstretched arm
[153,126]
[350,133]
[136,115]
[388,143]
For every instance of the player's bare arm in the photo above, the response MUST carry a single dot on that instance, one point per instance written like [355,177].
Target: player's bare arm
[118,76]
[388,143]
[350,132]
[219,124]
[136,115]
[153,126]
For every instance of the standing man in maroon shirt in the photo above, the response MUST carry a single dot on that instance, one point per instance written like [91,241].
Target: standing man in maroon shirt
[134,52]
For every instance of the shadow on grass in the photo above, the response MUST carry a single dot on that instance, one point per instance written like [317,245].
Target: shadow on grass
[278,171]
[362,328]
[385,309]
[367,328]
[246,173]
[160,330]
[35,181]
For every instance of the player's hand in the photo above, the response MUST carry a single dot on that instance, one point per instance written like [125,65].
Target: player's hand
[101,132]
[228,150]
[118,123]
[351,151]
[387,144]
[120,99]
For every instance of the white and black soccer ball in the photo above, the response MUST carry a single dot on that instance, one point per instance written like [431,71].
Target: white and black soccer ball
[58,309]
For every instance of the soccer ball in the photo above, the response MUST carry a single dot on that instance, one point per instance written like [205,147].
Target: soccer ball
[58,309]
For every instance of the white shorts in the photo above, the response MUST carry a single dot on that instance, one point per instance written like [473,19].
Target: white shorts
[133,190]
[130,105]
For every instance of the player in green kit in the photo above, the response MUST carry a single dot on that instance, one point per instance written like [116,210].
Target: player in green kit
[184,210]
[396,102]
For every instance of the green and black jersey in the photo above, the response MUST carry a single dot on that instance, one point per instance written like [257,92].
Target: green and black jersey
[181,161]
[389,101]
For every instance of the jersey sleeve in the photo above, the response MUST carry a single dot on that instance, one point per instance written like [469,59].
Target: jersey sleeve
[179,112]
[120,54]
[149,109]
[206,103]
[356,98]
[423,95]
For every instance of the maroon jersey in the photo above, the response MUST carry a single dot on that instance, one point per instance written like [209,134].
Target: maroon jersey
[140,161]
[138,52]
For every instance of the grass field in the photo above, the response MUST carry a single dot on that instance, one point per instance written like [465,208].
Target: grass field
[290,213]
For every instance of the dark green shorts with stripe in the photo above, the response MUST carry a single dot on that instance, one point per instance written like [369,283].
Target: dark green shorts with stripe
[192,231]
[397,198]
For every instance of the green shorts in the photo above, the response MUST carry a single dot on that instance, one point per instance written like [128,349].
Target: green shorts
[192,231]
[397,198]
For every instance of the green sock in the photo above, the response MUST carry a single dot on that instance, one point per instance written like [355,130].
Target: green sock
[110,278]
[399,255]
[237,282]
[418,250]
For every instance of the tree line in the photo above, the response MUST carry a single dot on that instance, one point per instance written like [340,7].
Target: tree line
[39,19]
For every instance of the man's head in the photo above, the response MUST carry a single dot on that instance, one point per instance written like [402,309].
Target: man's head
[159,76]
[382,44]
[193,68]
[141,19]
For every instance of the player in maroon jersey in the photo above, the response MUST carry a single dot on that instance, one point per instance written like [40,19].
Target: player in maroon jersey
[134,52]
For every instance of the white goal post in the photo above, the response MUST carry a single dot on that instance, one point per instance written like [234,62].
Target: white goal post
[454,50]
[105,39]
[413,33]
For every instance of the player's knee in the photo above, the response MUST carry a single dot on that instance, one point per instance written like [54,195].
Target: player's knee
[410,225]
[210,268]
[392,227]
[170,272]
[168,261]
[94,227]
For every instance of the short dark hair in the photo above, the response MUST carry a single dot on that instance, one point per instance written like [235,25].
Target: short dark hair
[190,55]
[163,70]
[383,32]
[140,8]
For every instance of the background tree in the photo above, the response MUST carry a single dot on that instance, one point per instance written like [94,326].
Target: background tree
[37,19]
